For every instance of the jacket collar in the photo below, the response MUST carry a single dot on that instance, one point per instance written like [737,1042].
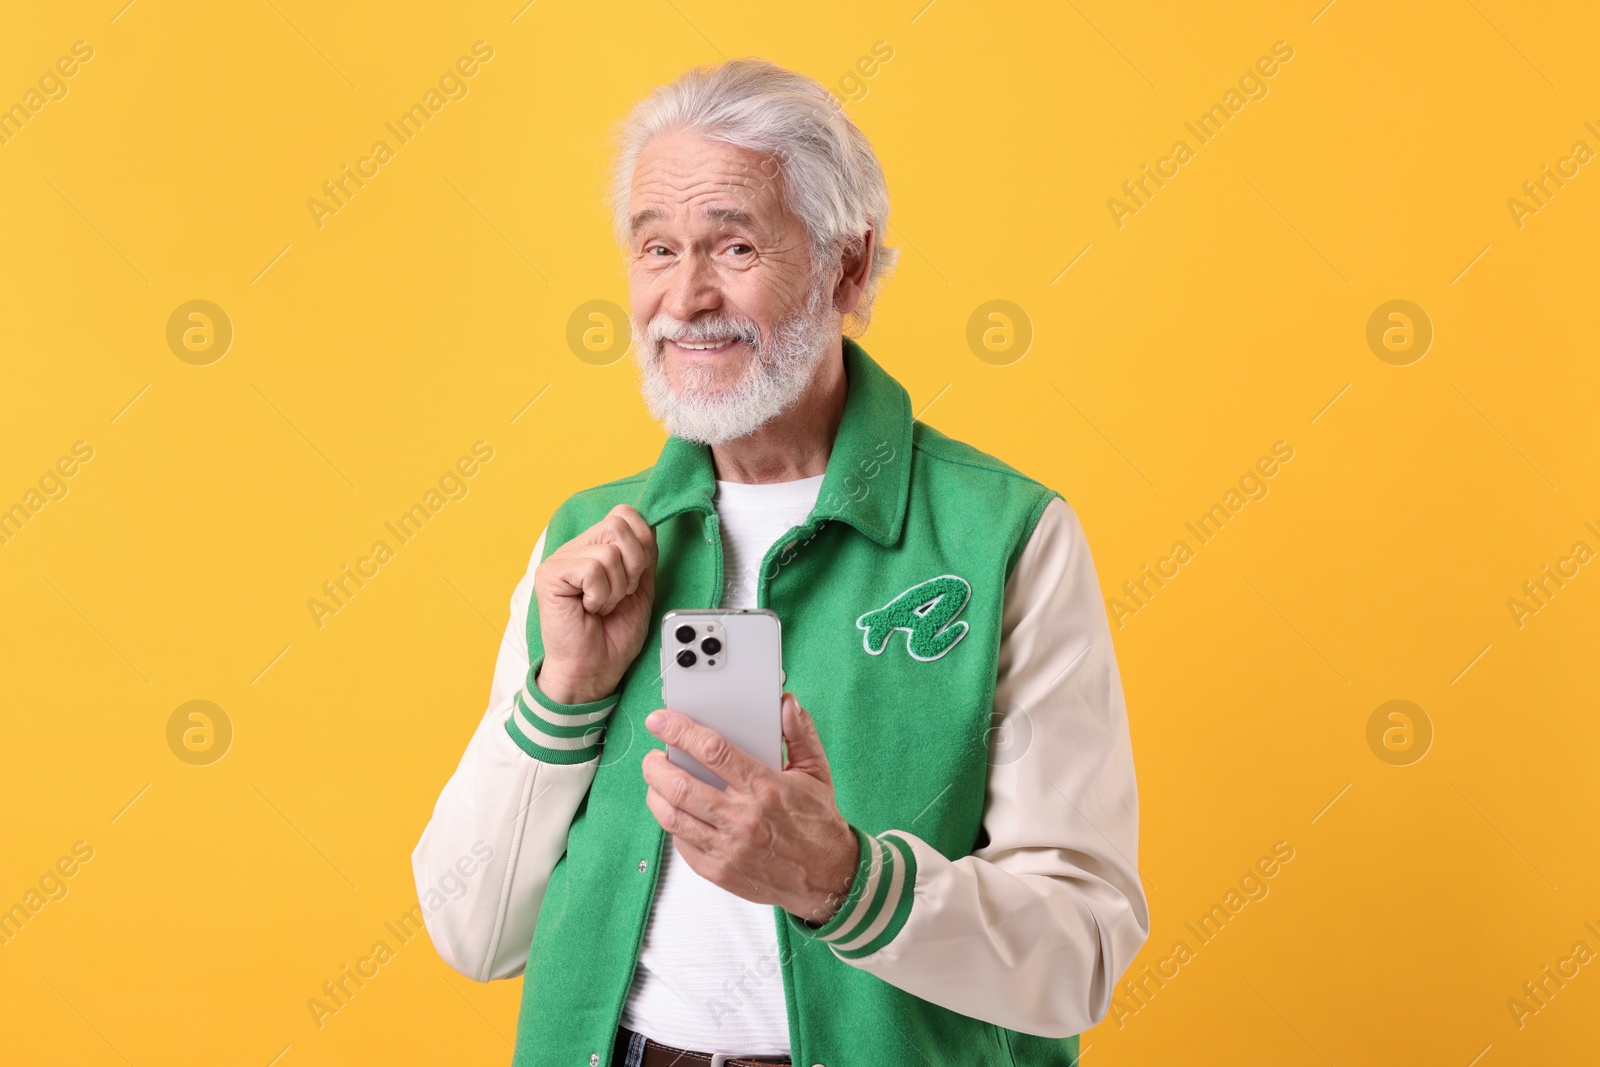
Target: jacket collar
[868,479]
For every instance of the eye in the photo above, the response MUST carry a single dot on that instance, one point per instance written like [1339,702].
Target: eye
[747,248]
[657,248]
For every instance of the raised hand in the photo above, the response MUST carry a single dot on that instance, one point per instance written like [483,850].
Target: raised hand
[594,595]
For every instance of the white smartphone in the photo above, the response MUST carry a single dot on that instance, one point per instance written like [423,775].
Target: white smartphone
[724,669]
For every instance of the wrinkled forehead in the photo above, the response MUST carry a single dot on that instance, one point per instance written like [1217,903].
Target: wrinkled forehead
[686,180]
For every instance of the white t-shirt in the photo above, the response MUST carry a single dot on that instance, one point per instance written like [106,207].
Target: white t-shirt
[708,977]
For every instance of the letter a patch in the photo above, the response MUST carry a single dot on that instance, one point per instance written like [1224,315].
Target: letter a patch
[926,612]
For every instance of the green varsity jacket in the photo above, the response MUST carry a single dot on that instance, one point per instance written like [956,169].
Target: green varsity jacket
[890,596]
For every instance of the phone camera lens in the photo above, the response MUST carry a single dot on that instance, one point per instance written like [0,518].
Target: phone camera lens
[685,634]
[711,646]
[686,658]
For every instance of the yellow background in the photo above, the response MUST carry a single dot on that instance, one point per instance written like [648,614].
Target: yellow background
[370,353]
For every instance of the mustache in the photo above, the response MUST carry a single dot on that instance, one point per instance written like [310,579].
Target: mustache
[665,327]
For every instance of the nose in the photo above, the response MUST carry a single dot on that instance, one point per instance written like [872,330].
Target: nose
[692,287]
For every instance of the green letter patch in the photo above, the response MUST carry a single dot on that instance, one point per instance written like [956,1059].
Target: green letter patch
[925,612]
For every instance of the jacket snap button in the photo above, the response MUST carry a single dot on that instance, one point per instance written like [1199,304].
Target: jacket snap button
[594,1059]
[642,866]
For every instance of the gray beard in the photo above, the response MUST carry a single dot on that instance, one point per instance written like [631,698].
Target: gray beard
[776,376]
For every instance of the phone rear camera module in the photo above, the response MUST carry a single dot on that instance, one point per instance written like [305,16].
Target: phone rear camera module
[685,634]
[711,646]
[686,658]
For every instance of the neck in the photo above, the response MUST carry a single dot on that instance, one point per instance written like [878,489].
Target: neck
[795,444]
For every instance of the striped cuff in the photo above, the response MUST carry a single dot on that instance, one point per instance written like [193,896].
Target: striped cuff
[879,901]
[557,733]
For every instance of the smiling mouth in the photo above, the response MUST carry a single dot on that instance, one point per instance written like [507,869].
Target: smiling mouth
[707,346]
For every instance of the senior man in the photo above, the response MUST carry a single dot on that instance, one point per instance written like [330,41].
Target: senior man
[944,871]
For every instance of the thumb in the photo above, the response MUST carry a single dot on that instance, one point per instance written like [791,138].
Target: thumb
[804,743]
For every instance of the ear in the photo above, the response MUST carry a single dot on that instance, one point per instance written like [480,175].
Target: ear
[855,267]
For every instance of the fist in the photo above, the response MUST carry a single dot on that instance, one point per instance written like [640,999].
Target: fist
[594,595]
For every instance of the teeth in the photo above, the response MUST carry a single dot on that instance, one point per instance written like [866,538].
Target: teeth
[691,346]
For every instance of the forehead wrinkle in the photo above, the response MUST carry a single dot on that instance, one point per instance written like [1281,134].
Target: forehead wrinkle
[710,201]
[667,186]
[671,177]
[727,160]
[693,186]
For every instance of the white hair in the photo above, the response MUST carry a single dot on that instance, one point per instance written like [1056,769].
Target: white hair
[828,174]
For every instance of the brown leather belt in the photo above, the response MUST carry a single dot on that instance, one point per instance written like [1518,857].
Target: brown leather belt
[659,1055]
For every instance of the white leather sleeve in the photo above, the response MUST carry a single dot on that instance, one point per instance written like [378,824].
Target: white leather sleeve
[498,827]
[1032,931]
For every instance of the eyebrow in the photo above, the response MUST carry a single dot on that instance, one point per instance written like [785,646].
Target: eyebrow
[642,219]
[727,216]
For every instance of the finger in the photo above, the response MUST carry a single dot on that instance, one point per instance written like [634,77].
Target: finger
[806,753]
[719,755]
[683,790]
[579,577]
[609,557]
[641,529]
[677,822]
[635,558]
[647,582]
